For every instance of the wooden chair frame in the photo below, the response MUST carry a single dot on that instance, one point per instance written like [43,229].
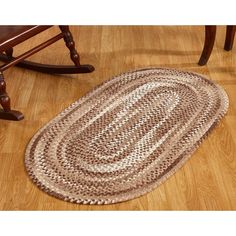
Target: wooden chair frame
[6,55]
[210,35]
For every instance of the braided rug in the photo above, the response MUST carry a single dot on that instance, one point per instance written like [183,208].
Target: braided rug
[125,137]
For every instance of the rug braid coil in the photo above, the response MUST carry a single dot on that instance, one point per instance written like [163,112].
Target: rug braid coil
[125,137]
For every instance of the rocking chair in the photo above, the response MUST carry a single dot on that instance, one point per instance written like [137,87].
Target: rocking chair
[10,36]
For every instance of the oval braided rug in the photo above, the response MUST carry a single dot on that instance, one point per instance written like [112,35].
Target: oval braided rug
[125,137]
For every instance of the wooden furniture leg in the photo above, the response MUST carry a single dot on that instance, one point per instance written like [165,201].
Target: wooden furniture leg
[6,113]
[229,38]
[68,38]
[210,34]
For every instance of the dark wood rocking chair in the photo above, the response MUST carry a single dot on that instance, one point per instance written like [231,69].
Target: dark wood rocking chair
[210,35]
[10,36]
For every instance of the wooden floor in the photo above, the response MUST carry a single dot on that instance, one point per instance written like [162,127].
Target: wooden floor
[206,182]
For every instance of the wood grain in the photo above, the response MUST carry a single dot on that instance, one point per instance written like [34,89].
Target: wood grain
[206,182]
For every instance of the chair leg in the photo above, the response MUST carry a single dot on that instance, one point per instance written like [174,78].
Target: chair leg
[229,39]
[68,38]
[74,55]
[4,98]
[210,35]
[6,113]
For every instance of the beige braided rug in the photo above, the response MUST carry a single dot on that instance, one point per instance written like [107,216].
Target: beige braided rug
[125,137]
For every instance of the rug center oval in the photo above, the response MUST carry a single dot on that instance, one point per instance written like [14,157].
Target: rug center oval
[125,137]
